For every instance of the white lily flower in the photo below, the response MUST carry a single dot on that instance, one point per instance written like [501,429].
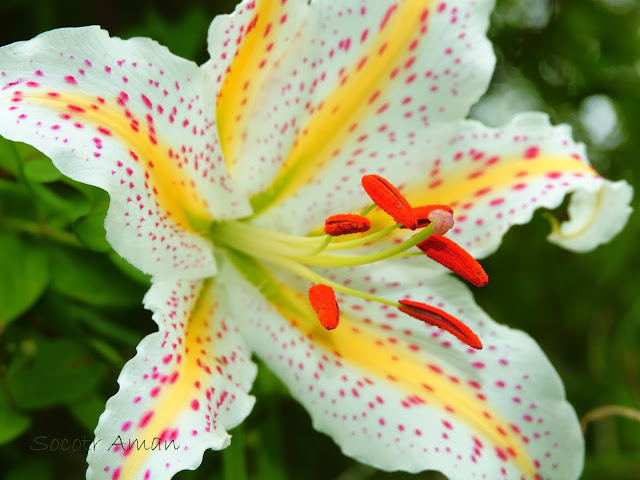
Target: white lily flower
[220,177]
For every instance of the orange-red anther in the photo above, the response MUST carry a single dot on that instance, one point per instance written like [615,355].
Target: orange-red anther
[323,301]
[346,223]
[389,199]
[455,258]
[422,213]
[440,318]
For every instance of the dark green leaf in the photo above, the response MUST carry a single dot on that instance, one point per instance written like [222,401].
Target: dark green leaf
[31,470]
[91,278]
[87,411]
[25,275]
[12,423]
[90,231]
[41,170]
[53,372]
[130,270]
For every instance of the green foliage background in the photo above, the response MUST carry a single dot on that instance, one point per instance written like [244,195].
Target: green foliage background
[70,309]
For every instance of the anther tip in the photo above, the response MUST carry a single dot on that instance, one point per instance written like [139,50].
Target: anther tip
[388,198]
[455,258]
[440,318]
[345,224]
[323,301]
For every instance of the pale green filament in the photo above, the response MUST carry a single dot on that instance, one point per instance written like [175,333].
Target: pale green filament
[304,272]
[266,244]
[364,212]
[363,240]
[333,260]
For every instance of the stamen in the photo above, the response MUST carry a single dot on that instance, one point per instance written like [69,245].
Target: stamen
[422,214]
[440,318]
[455,258]
[323,301]
[346,223]
[389,199]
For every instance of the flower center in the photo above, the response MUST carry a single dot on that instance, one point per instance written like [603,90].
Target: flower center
[297,254]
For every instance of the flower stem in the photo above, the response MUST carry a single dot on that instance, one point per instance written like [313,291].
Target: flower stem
[608,411]
[234,462]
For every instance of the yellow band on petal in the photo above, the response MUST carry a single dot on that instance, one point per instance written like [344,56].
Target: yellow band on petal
[463,187]
[245,77]
[358,345]
[164,178]
[175,396]
[360,90]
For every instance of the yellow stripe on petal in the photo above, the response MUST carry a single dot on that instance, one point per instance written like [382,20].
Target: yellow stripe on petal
[463,187]
[246,74]
[174,399]
[358,92]
[358,345]
[173,190]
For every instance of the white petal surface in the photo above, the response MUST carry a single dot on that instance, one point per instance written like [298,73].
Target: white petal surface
[360,86]
[188,384]
[398,394]
[497,177]
[131,118]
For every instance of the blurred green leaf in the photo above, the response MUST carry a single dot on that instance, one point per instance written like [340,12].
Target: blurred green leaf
[184,34]
[59,203]
[75,319]
[16,201]
[25,275]
[234,461]
[8,158]
[90,231]
[12,423]
[87,411]
[130,270]
[41,170]
[31,470]
[55,372]
[91,278]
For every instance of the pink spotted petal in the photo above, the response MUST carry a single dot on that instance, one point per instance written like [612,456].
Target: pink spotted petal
[396,393]
[497,177]
[135,120]
[184,389]
[357,86]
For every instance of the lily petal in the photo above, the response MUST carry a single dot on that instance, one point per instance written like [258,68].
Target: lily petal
[497,177]
[178,396]
[246,48]
[128,117]
[398,394]
[355,85]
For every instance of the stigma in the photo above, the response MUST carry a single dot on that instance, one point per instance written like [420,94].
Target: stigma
[428,223]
